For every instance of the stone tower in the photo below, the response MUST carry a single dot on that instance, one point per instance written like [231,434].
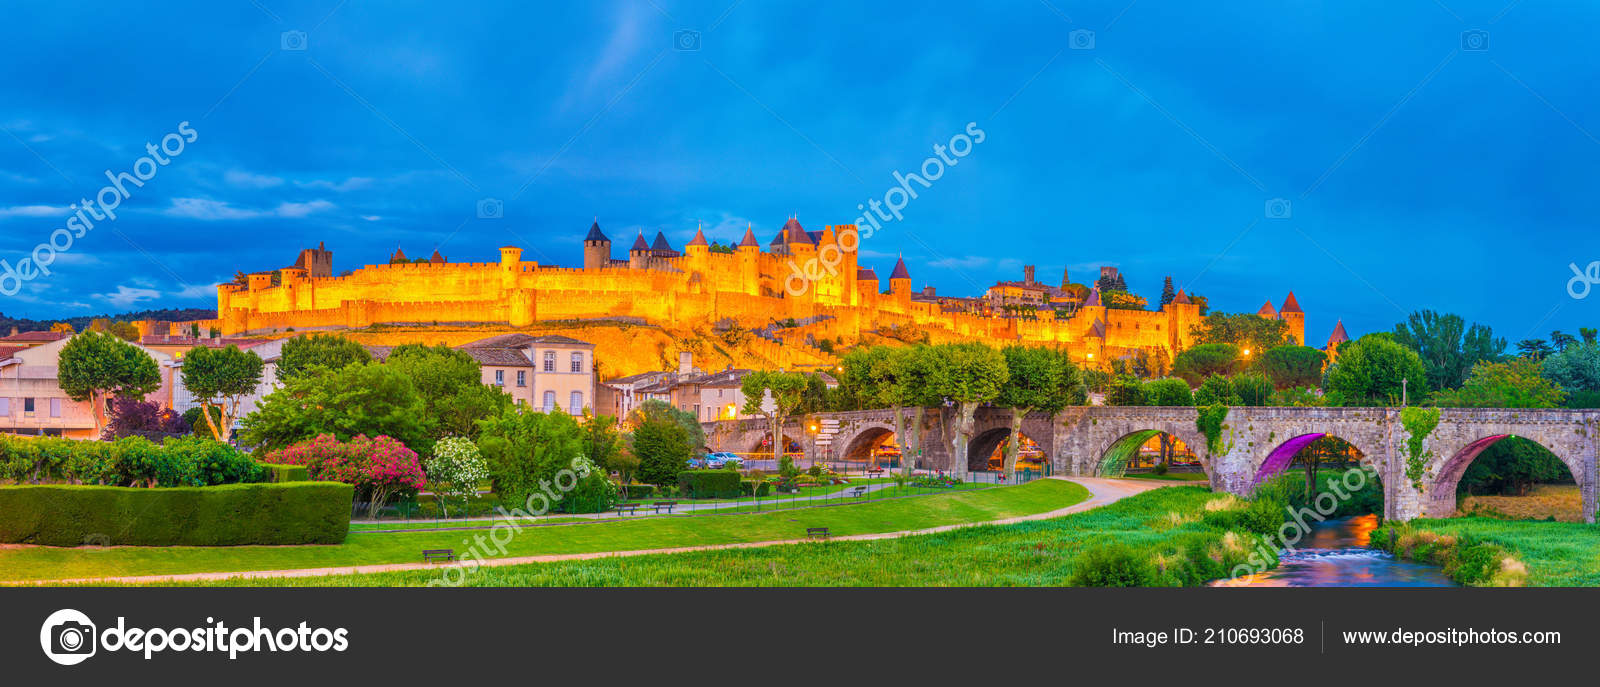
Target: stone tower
[596,248]
[639,254]
[900,282]
[750,263]
[1291,313]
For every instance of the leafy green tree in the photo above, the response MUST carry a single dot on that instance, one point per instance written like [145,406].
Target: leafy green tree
[1168,392]
[451,386]
[1511,466]
[1516,383]
[219,378]
[1199,362]
[815,397]
[663,450]
[455,470]
[95,366]
[1373,371]
[1122,300]
[1559,340]
[1448,347]
[1041,380]
[786,391]
[369,399]
[1298,397]
[1576,368]
[301,354]
[1536,349]
[1292,366]
[535,460]
[1216,390]
[602,443]
[859,377]
[1245,330]
[461,413]
[694,436]
[1252,388]
[1167,294]
[1125,390]
[966,375]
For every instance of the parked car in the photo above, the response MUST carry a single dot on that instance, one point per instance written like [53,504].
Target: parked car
[721,459]
[697,463]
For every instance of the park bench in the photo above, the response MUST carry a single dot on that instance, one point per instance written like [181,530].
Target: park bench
[431,555]
[817,532]
[626,510]
[857,491]
[664,504]
[874,472]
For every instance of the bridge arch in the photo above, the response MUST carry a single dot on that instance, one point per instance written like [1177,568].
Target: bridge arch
[1441,492]
[1113,457]
[866,436]
[984,444]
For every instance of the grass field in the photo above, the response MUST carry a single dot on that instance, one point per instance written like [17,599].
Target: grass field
[41,563]
[1556,554]
[1037,553]
[1560,501]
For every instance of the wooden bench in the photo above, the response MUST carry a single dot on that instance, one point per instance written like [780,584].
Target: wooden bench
[431,555]
[817,532]
[626,510]
[874,472]
[857,491]
[664,504]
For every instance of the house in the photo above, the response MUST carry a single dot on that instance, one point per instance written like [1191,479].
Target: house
[543,372]
[29,339]
[31,399]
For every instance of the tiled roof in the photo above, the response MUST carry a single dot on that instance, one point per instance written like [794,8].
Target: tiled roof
[1290,305]
[518,340]
[794,233]
[660,242]
[502,357]
[32,337]
[900,271]
[1182,298]
[726,379]
[749,238]
[557,339]
[699,238]
[7,351]
[594,233]
[175,340]
[866,273]
[1338,336]
[640,243]
[1267,311]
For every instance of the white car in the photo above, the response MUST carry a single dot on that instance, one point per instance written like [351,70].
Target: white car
[720,459]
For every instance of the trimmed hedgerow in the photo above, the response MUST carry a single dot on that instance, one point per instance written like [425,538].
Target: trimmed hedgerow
[228,515]
[131,461]
[287,473]
[708,484]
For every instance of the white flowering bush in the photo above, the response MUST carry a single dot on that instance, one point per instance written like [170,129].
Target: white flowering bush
[456,469]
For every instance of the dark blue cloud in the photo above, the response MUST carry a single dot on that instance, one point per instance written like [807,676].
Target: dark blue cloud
[1420,175]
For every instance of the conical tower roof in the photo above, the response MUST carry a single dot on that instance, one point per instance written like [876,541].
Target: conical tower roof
[900,271]
[699,238]
[660,243]
[1337,337]
[749,238]
[1182,298]
[595,234]
[640,243]
[437,259]
[1268,311]
[795,233]
[1290,305]
[398,256]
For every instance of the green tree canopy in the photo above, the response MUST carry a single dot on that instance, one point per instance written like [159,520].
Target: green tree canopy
[1168,392]
[1516,383]
[1199,362]
[1369,372]
[303,353]
[1216,390]
[662,446]
[1447,346]
[1292,366]
[219,378]
[369,399]
[95,366]
[1245,330]
[694,436]
[966,375]
[1252,388]
[1576,368]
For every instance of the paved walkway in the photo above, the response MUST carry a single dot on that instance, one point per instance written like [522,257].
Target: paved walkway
[1102,492]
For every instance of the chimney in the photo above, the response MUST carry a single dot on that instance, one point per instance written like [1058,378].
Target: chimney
[685,363]
[13,331]
[1027,274]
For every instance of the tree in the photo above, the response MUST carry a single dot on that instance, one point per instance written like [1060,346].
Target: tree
[1292,366]
[1559,340]
[1199,362]
[1373,371]
[1167,294]
[1122,300]
[378,467]
[1216,390]
[62,327]
[218,378]
[1125,390]
[1447,346]
[529,454]
[1516,383]
[136,417]
[1536,349]
[455,470]
[815,397]
[459,415]
[1576,368]
[1245,330]
[1252,388]
[600,440]
[1168,392]
[1511,466]
[94,366]
[301,354]
[663,450]
[125,331]
[451,386]
[1041,380]
[368,399]
[694,436]
[785,389]
[965,375]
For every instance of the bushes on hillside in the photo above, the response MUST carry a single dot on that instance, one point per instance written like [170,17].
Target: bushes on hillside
[379,468]
[131,461]
[228,515]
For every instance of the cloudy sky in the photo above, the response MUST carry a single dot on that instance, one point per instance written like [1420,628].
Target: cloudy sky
[1420,170]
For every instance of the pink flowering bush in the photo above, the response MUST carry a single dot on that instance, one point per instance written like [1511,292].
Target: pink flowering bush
[379,468]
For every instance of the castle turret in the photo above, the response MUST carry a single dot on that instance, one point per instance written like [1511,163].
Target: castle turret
[900,281]
[660,248]
[639,254]
[1182,315]
[398,256]
[750,262]
[596,248]
[1292,314]
[1337,337]
[697,245]
[510,266]
[867,286]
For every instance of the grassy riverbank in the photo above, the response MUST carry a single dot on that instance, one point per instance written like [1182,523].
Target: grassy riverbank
[1490,552]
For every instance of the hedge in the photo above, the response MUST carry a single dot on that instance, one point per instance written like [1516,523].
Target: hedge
[754,487]
[708,484]
[287,473]
[228,515]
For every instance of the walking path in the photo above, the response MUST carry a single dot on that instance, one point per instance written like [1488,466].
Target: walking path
[1102,492]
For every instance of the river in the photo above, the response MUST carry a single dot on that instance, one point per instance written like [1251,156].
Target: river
[1336,554]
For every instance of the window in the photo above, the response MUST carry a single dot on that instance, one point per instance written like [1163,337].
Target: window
[27,406]
[576,405]
[499,377]
[522,377]
[549,361]
[549,401]
[55,407]
[577,362]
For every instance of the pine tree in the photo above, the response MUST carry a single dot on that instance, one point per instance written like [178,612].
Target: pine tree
[1166,292]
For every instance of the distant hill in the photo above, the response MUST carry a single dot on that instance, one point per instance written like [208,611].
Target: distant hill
[79,323]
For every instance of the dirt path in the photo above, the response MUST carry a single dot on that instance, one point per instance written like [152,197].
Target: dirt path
[1102,492]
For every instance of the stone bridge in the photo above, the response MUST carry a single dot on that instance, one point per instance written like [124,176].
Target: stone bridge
[1257,442]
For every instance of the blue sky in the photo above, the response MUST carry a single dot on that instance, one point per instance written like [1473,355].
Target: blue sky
[1419,174]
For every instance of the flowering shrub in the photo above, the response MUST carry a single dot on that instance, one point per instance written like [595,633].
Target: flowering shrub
[379,468]
[456,469]
[136,417]
[935,481]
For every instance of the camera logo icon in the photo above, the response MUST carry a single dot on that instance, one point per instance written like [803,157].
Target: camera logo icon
[1082,39]
[68,637]
[1279,208]
[293,41]
[491,208]
[1475,40]
[687,40]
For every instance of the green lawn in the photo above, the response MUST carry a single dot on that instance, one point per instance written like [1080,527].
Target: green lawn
[622,534]
[1557,554]
[1037,553]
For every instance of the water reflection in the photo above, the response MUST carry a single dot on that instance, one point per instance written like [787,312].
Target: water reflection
[1335,554]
